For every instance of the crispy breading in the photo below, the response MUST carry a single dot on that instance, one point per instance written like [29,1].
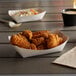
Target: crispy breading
[41,47]
[38,41]
[27,33]
[60,40]
[44,34]
[20,40]
[33,46]
[53,40]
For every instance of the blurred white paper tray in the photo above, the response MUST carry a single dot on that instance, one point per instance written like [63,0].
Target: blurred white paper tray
[28,52]
[19,19]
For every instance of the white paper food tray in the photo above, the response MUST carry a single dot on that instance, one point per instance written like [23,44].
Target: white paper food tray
[19,19]
[28,52]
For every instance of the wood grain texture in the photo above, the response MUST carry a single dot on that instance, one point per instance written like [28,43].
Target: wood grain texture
[10,61]
[34,26]
[37,3]
[50,6]
[32,66]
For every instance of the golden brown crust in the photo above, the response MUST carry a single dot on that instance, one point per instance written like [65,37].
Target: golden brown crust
[41,47]
[38,41]
[20,40]
[44,34]
[33,46]
[27,33]
[53,40]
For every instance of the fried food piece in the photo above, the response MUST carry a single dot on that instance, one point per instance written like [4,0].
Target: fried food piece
[53,40]
[27,33]
[59,39]
[44,34]
[41,47]
[33,46]
[38,41]
[20,40]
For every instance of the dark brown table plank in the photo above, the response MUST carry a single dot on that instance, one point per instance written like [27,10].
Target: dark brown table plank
[52,17]
[48,9]
[32,66]
[37,25]
[32,0]
[36,3]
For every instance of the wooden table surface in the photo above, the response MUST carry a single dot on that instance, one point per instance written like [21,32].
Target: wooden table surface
[10,61]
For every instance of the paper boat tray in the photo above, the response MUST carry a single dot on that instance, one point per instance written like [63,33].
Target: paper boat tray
[19,19]
[28,52]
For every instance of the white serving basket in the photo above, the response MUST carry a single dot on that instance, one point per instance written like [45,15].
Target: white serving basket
[19,19]
[28,52]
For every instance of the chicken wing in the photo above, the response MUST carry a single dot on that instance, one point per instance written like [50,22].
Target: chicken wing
[27,33]
[41,47]
[20,40]
[53,40]
[33,46]
[44,34]
[38,41]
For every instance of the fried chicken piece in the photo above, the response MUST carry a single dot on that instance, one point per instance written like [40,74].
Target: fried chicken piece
[41,47]
[44,34]
[38,41]
[27,33]
[53,40]
[59,39]
[20,40]
[33,46]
